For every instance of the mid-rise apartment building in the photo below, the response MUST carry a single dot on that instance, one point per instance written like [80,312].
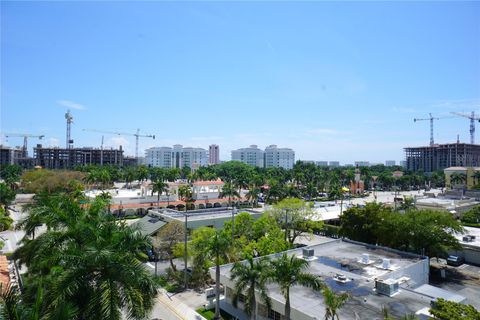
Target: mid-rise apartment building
[279,157]
[390,163]
[251,155]
[176,157]
[362,164]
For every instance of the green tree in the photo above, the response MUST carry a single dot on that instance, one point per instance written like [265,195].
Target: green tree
[249,277]
[217,248]
[7,195]
[160,187]
[186,195]
[5,221]
[361,224]
[457,178]
[253,194]
[11,174]
[168,237]
[295,215]
[87,262]
[472,215]
[449,310]
[229,191]
[333,302]
[288,271]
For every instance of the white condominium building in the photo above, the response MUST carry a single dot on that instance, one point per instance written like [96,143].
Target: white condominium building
[251,155]
[279,157]
[176,157]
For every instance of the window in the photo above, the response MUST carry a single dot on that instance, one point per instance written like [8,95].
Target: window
[242,298]
[272,314]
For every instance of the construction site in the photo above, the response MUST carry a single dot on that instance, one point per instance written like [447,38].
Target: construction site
[70,156]
[441,156]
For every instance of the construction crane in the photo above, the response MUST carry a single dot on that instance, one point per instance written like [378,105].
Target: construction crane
[25,139]
[472,123]
[137,135]
[431,125]
[69,118]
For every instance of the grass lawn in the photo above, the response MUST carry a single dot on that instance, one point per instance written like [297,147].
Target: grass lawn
[209,314]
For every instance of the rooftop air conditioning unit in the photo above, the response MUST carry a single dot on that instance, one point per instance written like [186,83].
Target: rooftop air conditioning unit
[386,287]
[365,258]
[308,253]
[386,264]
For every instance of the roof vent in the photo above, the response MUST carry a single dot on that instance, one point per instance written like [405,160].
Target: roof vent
[386,264]
[365,258]
[308,254]
[468,238]
[386,287]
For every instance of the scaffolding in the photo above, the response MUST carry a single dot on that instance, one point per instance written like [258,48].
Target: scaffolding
[441,156]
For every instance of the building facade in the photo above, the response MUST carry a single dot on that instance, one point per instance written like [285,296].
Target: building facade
[362,164]
[442,156]
[279,157]
[334,164]
[214,154]
[62,158]
[251,155]
[322,163]
[176,157]
[390,163]
[10,155]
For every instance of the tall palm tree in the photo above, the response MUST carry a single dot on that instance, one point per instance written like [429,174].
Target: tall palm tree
[288,271]
[253,194]
[217,248]
[251,276]
[333,302]
[229,190]
[159,187]
[476,177]
[87,261]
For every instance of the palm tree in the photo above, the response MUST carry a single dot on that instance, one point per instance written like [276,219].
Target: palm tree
[229,190]
[217,249]
[476,177]
[457,178]
[87,261]
[333,302]
[288,271]
[159,187]
[185,194]
[251,277]
[253,194]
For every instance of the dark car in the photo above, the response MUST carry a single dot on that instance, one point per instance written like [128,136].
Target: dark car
[151,255]
[455,261]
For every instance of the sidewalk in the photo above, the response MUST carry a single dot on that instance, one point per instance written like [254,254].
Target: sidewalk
[176,309]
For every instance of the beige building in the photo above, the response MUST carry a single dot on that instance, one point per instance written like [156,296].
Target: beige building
[469,174]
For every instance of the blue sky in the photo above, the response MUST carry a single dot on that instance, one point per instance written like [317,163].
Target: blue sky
[332,80]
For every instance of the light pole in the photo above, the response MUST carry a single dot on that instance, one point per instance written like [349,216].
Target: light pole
[286,225]
[185,257]
[234,211]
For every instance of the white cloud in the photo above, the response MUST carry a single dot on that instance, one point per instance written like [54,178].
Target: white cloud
[71,104]
[117,142]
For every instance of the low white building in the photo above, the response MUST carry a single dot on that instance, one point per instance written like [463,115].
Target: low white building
[374,277]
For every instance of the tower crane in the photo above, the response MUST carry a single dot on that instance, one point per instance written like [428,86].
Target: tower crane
[69,118]
[431,125]
[25,139]
[472,123]
[137,135]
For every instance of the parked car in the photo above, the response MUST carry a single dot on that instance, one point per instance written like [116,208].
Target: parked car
[455,261]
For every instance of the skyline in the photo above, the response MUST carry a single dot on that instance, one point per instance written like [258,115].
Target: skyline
[333,81]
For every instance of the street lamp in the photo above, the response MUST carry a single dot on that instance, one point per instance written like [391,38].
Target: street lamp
[234,211]
[185,257]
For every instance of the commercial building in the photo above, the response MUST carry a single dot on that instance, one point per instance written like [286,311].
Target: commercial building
[375,277]
[251,155]
[441,156]
[61,158]
[279,157]
[390,163]
[176,157]
[214,154]
[468,175]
